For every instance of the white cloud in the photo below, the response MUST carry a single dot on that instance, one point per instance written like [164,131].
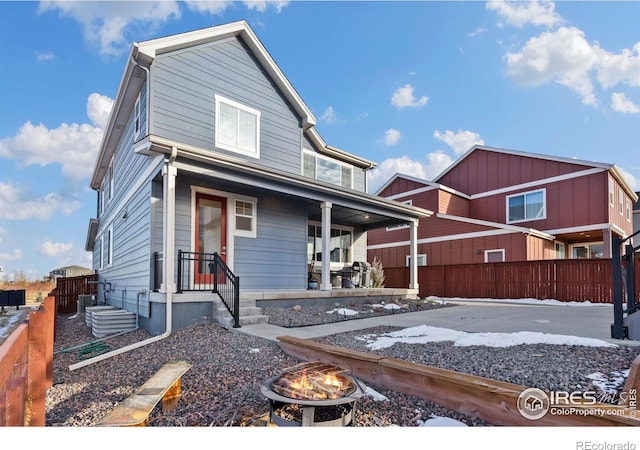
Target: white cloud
[563,56]
[98,109]
[436,163]
[261,5]
[15,255]
[391,137]
[45,56]
[74,146]
[403,98]
[461,141]
[17,204]
[620,103]
[519,13]
[623,67]
[52,249]
[105,23]
[329,115]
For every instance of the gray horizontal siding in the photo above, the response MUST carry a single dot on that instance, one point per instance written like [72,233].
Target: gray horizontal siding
[277,258]
[184,84]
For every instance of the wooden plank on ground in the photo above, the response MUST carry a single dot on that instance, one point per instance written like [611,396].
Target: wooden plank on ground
[164,384]
[494,401]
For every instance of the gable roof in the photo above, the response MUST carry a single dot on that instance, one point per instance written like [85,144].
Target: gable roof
[426,183]
[143,54]
[612,168]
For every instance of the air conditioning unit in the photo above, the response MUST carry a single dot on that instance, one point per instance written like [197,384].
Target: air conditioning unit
[84,301]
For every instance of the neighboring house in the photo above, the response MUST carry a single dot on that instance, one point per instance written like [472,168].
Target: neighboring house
[69,271]
[494,205]
[210,150]
[636,220]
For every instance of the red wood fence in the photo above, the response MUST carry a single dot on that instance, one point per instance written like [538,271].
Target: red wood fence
[564,280]
[26,368]
[68,289]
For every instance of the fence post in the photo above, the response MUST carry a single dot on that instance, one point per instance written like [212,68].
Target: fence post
[617,328]
[37,368]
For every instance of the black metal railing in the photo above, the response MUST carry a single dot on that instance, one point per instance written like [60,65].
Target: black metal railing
[208,272]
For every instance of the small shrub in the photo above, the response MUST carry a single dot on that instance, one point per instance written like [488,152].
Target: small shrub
[377,273]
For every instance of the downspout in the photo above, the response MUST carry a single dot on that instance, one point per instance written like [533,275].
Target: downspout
[169,173]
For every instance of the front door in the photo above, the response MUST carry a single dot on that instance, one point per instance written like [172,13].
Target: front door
[211,234]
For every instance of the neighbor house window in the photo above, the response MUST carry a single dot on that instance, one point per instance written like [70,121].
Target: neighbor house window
[237,127]
[560,250]
[327,170]
[422,260]
[339,244]
[136,119]
[526,206]
[245,218]
[612,197]
[620,201]
[589,250]
[491,256]
[628,210]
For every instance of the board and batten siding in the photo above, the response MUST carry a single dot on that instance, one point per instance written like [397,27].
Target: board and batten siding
[185,82]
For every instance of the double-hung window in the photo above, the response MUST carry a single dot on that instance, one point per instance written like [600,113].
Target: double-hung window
[237,127]
[245,214]
[526,206]
[327,170]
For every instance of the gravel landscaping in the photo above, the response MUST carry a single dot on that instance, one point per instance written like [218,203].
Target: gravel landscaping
[222,389]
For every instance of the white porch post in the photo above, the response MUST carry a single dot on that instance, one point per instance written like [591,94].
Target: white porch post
[325,284]
[413,252]
[169,173]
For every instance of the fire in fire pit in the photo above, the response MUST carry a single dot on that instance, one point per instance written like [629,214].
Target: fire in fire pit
[313,381]
[314,390]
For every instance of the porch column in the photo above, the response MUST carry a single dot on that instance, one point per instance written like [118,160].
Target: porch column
[169,173]
[413,252]
[325,283]
[606,243]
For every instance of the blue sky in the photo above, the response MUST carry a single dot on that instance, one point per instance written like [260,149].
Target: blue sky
[410,85]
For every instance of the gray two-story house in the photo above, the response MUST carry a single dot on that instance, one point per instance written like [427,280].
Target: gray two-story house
[211,176]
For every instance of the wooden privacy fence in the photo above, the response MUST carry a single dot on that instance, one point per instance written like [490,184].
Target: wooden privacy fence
[564,280]
[26,368]
[68,289]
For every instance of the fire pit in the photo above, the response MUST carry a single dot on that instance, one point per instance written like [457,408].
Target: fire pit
[312,394]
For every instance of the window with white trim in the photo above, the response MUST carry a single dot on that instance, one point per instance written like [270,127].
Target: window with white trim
[612,197]
[136,119]
[245,214]
[628,210]
[560,250]
[107,247]
[421,258]
[620,201]
[340,243]
[237,127]
[326,169]
[526,206]
[495,255]
[587,250]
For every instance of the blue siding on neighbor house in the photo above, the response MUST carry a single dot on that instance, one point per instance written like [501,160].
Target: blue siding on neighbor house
[184,83]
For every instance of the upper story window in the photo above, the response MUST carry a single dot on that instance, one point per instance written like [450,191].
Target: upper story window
[136,119]
[628,210]
[237,127]
[612,197]
[620,201]
[325,169]
[526,206]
